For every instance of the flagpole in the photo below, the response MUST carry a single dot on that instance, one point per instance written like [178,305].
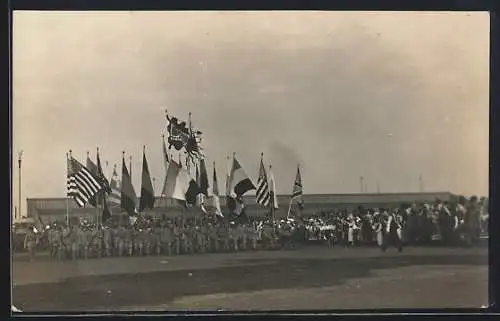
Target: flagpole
[289,208]
[67,197]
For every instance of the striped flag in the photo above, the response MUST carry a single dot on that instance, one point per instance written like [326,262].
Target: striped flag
[262,195]
[115,185]
[81,184]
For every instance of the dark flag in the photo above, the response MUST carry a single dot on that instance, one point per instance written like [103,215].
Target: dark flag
[92,167]
[147,192]
[128,195]
[103,195]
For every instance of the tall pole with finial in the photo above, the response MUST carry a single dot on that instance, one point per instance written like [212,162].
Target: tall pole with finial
[19,161]
[68,159]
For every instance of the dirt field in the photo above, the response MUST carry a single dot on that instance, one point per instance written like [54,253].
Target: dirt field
[307,278]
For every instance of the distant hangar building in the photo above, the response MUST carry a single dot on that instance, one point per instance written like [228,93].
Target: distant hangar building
[51,209]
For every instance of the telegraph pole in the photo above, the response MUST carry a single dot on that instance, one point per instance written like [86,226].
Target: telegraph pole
[19,161]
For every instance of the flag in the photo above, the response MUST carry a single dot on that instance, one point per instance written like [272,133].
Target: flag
[272,192]
[81,184]
[101,176]
[128,197]
[201,195]
[297,189]
[262,195]
[215,196]
[229,165]
[92,167]
[102,195]
[147,191]
[165,154]
[239,184]
[116,187]
[165,161]
[180,185]
[203,184]
[296,198]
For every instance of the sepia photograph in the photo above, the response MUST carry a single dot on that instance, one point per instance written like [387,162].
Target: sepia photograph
[249,161]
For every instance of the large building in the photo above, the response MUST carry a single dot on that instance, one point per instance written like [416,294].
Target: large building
[50,209]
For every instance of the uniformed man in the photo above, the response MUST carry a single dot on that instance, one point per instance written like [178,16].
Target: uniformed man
[213,238]
[107,239]
[393,230]
[86,241]
[157,232]
[31,241]
[116,239]
[177,237]
[97,241]
[379,229]
[75,241]
[167,240]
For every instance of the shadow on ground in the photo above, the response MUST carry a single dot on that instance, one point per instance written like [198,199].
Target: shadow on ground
[89,293]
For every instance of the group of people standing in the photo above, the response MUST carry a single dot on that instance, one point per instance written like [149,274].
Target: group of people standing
[415,224]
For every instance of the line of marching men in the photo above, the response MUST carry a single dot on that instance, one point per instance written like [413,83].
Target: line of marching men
[87,241]
[414,225]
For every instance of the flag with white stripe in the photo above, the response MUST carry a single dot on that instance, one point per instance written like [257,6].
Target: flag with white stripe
[262,195]
[81,184]
[272,191]
[115,186]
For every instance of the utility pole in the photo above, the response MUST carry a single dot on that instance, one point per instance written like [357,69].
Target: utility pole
[19,161]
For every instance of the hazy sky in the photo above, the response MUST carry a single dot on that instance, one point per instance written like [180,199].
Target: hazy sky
[387,96]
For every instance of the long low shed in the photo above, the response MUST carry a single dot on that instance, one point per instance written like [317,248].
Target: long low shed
[50,209]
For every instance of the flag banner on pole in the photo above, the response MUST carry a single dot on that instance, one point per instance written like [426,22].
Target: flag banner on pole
[297,192]
[201,197]
[147,192]
[179,185]
[165,161]
[128,197]
[115,186]
[92,167]
[215,196]
[272,192]
[239,182]
[101,176]
[262,195]
[81,184]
